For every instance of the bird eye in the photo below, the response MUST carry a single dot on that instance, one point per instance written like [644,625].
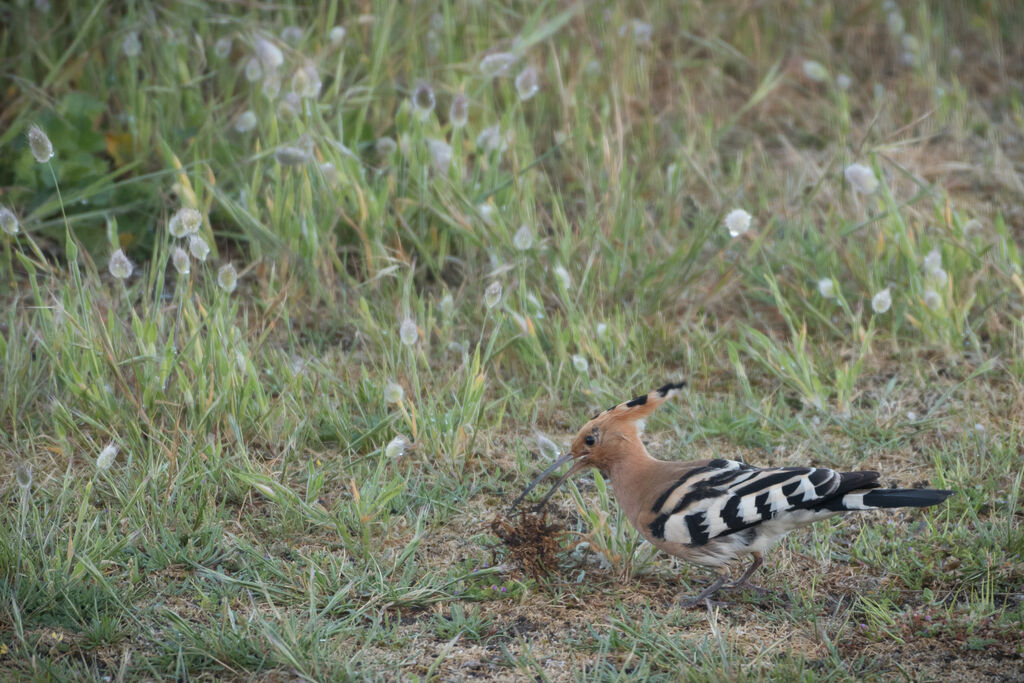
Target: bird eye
[590,440]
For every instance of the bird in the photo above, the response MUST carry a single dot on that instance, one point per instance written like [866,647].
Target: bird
[712,512]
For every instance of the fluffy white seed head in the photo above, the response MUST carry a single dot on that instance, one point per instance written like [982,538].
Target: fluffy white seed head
[440,154]
[458,114]
[896,23]
[292,35]
[198,247]
[562,275]
[222,48]
[131,45]
[932,299]
[106,457]
[548,448]
[8,221]
[253,70]
[423,100]
[408,332]
[306,81]
[447,305]
[246,122]
[527,83]
[487,212]
[337,36]
[39,143]
[827,288]
[815,71]
[523,238]
[290,155]
[491,139]
[497,64]
[397,447]
[185,221]
[580,363]
[939,277]
[119,265]
[227,278]
[269,54]
[601,329]
[933,261]
[492,295]
[862,178]
[843,81]
[182,263]
[23,475]
[737,222]
[882,301]
[272,85]
[393,393]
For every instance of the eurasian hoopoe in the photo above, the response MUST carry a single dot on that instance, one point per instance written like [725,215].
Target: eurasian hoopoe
[711,512]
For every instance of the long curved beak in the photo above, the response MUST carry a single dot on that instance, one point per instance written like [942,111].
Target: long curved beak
[544,475]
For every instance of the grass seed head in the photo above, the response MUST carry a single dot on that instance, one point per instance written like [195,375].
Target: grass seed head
[492,295]
[246,122]
[423,100]
[292,35]
[131,45]
[397,447]
[8,221]
[527,83]
[185,221]
[562,275]
[737,222]
[408,332]
[23,475]
[393,393]
[523,238]
[106,457]
[227,278]
[181,261]
[222,48]
[815,71]
[862,178]
[447,305]
[881,301]
[458,113]
[440,154]
[497,64]
[119,265]
[827,288]
[337,36]
[270,55]
[932,299]
[39,143]
[198,247]
[289,155]
[306,81]
[253,70]
[580,363]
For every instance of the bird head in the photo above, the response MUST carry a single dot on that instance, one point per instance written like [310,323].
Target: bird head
[603,437]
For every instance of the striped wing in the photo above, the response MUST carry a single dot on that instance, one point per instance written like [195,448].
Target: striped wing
[726,496]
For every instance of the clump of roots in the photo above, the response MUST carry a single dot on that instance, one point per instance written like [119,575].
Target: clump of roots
[531,542]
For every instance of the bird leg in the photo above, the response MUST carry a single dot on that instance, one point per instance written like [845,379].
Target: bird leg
[742,582]
[705,594]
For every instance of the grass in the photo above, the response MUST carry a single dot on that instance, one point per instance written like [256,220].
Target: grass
[261,519]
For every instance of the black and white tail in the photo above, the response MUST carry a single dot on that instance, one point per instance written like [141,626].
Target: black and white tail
[886,498]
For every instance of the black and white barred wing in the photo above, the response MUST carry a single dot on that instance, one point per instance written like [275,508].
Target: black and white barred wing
[726,496]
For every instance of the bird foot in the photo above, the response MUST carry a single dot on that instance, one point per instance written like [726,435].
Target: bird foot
[744,585]
[696,601]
